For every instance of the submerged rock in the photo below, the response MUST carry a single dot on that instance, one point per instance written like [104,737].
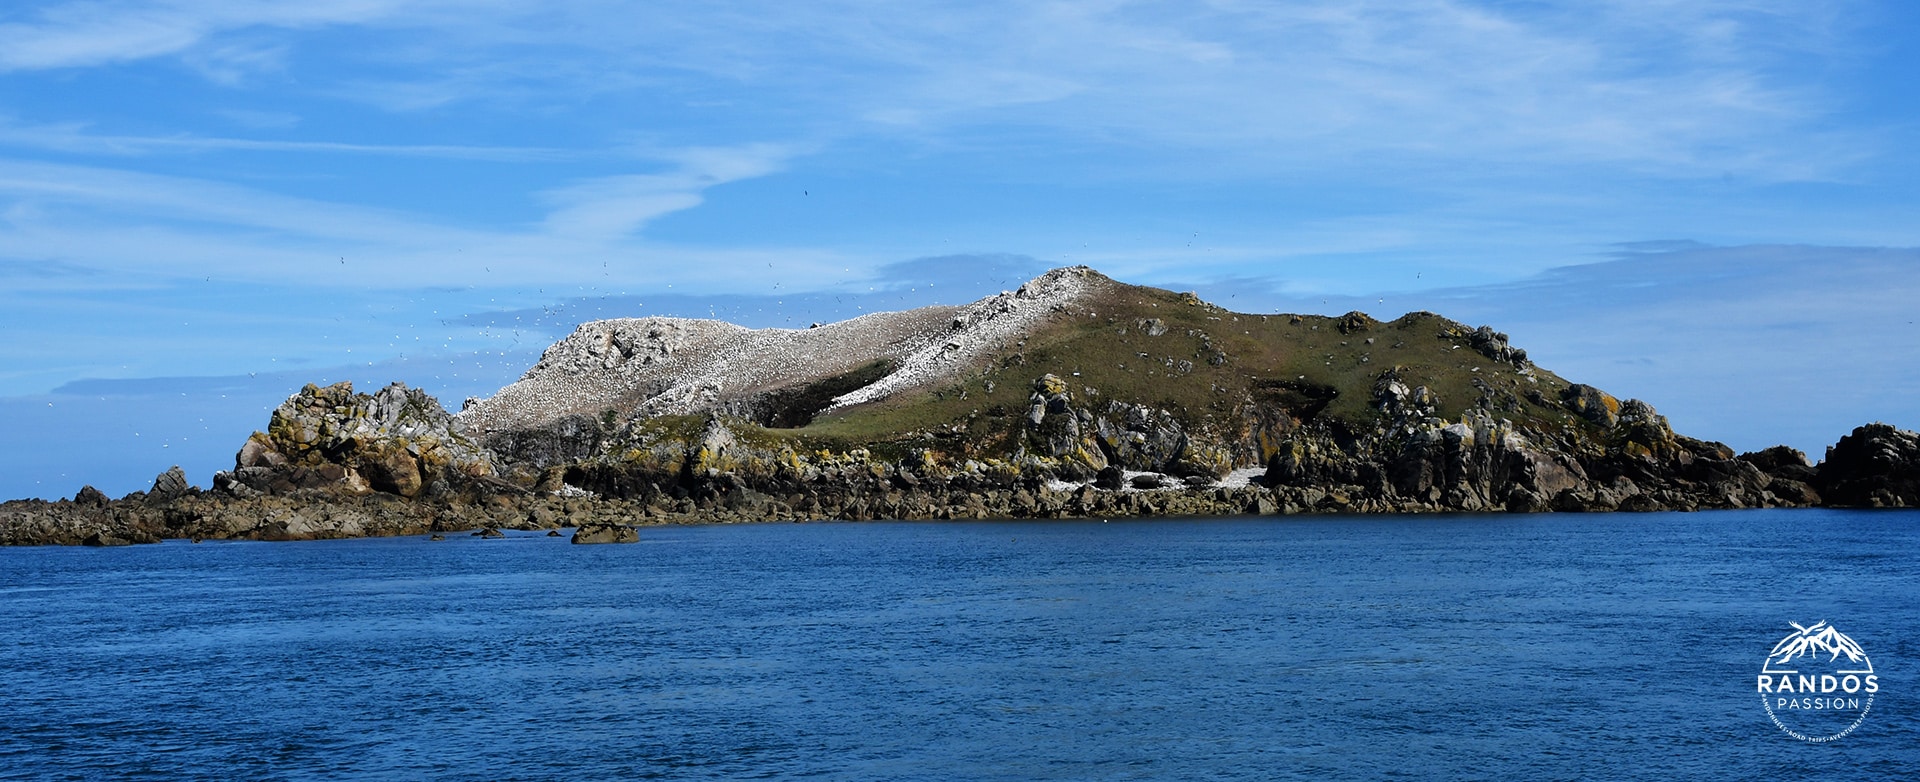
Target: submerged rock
[606,533]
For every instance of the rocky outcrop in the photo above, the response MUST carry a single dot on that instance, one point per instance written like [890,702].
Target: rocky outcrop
[170,485]
[606,533]
[1630,460]
[1789,475]
[1876,466]
[1593,404]
[1085,440]
[1493,345]
[331,440]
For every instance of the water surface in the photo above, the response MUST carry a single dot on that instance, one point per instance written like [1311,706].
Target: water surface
[1621,646]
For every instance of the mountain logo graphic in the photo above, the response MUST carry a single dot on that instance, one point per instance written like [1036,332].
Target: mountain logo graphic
[1817,684]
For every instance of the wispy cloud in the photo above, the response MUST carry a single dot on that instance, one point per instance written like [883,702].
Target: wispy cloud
[74,137]
[1668,88]
[260,120]
[610,208]
[165,227]
[80,34]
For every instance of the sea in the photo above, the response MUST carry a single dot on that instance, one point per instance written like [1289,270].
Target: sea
[1552,646]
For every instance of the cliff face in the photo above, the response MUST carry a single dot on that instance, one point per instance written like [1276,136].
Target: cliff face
[1072,396]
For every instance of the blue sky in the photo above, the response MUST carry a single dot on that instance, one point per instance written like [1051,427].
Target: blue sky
[1710,205]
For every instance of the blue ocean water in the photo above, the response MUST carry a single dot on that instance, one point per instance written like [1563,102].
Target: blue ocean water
[1552,646]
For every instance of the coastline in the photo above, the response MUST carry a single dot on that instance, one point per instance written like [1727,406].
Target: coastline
[93,520]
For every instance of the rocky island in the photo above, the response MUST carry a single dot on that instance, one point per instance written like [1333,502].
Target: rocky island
[1074,396]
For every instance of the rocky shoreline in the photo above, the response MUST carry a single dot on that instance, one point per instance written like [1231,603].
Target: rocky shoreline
[1876,466]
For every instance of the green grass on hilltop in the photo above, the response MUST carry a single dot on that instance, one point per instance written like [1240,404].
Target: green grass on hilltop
[1207,363]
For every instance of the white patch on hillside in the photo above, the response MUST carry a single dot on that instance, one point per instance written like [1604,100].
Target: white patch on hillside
[677,366]
[977,328]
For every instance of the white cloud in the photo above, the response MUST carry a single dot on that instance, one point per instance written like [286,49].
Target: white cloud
[75,138]
[260,120]
[610,208]
[145,227]
[1664,87]
[235,64]
[80,34]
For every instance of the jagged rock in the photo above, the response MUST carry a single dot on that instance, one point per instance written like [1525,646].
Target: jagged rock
[1876,466]
[606,533]
[90,497]
[1739,483]
[562,440]
[1138,437]
[397,441]
[391,468]
[1782,461]
[1054,428]
[1792,479]
[1478,464]
[1493,345]
[1592,404]
[1354,322]
[714,450]
[1639,431]
[169,485]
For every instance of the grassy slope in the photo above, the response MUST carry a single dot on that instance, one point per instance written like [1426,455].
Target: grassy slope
[1103,352]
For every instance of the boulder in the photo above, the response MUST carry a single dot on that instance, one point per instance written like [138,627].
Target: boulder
[1777,457]
[1149,481]
[1262,504]
[1493,345]
[169,485]
[90,497]
[390,467]
[1593,404]
[1138,437]
[1055,429]
[606,533]
[105,538]
[1355,321]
